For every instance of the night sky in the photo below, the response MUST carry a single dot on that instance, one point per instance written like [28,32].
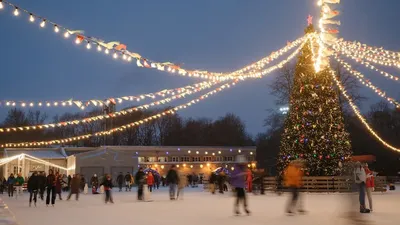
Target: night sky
[223,35]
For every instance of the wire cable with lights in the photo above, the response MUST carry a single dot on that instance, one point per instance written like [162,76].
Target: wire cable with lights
[358,113]
[120,50]
[366,82]
[159,115]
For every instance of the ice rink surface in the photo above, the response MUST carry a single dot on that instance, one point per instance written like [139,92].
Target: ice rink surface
[199,208]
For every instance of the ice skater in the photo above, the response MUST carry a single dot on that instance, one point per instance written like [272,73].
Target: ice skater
[19,182]
[238,181]
[293,180]
[370,184]
[150,181]
[51,188]
[74,189]
[140,180]
[33,188]
[107,184]
[361,179]
[173,180]
[120,181]
[10,183]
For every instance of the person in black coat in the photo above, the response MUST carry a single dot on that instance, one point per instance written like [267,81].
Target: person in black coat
[107,184]
[173,181]
[42,184]
[139,180]
[120,181]
[33,188]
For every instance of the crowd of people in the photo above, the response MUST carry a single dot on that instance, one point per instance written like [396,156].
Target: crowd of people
[240,180]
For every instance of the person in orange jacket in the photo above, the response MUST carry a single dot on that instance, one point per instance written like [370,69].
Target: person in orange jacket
[370,184]
[150,181]
[293,180]
[249,180]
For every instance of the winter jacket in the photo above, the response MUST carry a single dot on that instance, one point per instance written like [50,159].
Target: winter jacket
[42,181]
[293,176]
[11,180]
[59,183]
[51,180]
[172,177]
[238,177]
[182,181]
[128,178]
[107,184]
[75,185]
[19,181]
[359,175]
[213,178]
[139,178]
[33,183]
[94,181]
[150,179]
[120,179]
[370,182]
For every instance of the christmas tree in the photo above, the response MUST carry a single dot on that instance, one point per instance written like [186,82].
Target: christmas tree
[314,128]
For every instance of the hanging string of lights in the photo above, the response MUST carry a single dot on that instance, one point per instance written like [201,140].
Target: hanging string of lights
[83,104]
[119,50]
[110,115]
[366,82]
[358,113]
[373,57]
[374,50]
[159,115]
[365,63]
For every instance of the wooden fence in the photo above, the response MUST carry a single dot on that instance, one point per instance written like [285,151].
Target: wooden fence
[326,184]
[322,184]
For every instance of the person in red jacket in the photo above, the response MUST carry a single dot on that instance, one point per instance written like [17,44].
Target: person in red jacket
[249,180]
[150,181]
[370,184]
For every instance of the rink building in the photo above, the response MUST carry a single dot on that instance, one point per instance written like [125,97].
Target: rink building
[115,159]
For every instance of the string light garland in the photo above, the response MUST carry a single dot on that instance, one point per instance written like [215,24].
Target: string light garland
[120,51]
[358,113]
[159,115]
[82,104]
[364,47]
[110,115]
[123,127]
[366,82]
[365,63]
[371,56]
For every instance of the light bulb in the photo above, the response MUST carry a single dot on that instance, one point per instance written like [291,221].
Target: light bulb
[1,5]
[124,56]
[77,41]
[66,34]
[88,46]
[129,58]
[43,23]
[107,51]
[16,12]
[56,29]
[31,18]
[115,55]
[99,48]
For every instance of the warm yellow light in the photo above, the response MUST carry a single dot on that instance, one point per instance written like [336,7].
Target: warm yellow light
[66,34]
[77,41]
[124,57]
[208,164]
[16,12]
[206,153]
[191,166]
[239,151]
[129,59]
[177,166]
[88,46]
[253,165]
[251,153]
[189,151]
[1,5]
[219,152]
[156,166]
[106,51]
[184,165]
[162,166]
[31,18]
[115,55]
[232,168]
[248,165]
[99,48]
[201,166]
[56,29]
[213,153]
[197,152]
[43,24]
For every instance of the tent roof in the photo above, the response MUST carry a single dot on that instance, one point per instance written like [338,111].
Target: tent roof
[42,154]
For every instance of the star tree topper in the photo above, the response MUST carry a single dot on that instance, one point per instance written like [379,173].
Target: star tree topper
[309,20]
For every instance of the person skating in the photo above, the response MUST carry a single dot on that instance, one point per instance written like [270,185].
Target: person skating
[19,182]
[150,181]
[238,181]
[42,184]
[3,183]
[293,180]
[75,186]
[33,188]
[173,180]
[140,180]
[221,181]
[83,183]
[128,181]
[120,181]
[249,180]
[360,179]
[157,181]
[10,183]
[370,184]
[181,186]
[107,184]
[59,183]
[212,181]
[69,181]
[51,188]
[94,181]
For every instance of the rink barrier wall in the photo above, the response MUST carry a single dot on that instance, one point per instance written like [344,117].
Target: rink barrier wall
[321,184]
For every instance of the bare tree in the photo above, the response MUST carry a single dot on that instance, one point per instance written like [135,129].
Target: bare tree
[282,85]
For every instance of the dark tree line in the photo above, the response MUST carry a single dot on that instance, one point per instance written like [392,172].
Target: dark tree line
[382,117]
[171,130]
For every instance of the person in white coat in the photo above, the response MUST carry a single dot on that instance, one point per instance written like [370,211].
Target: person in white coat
[360,178]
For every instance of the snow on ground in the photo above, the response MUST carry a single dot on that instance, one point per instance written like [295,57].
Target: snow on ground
[199,208]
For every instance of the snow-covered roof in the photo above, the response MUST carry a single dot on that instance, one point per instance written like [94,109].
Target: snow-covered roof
[42,154]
